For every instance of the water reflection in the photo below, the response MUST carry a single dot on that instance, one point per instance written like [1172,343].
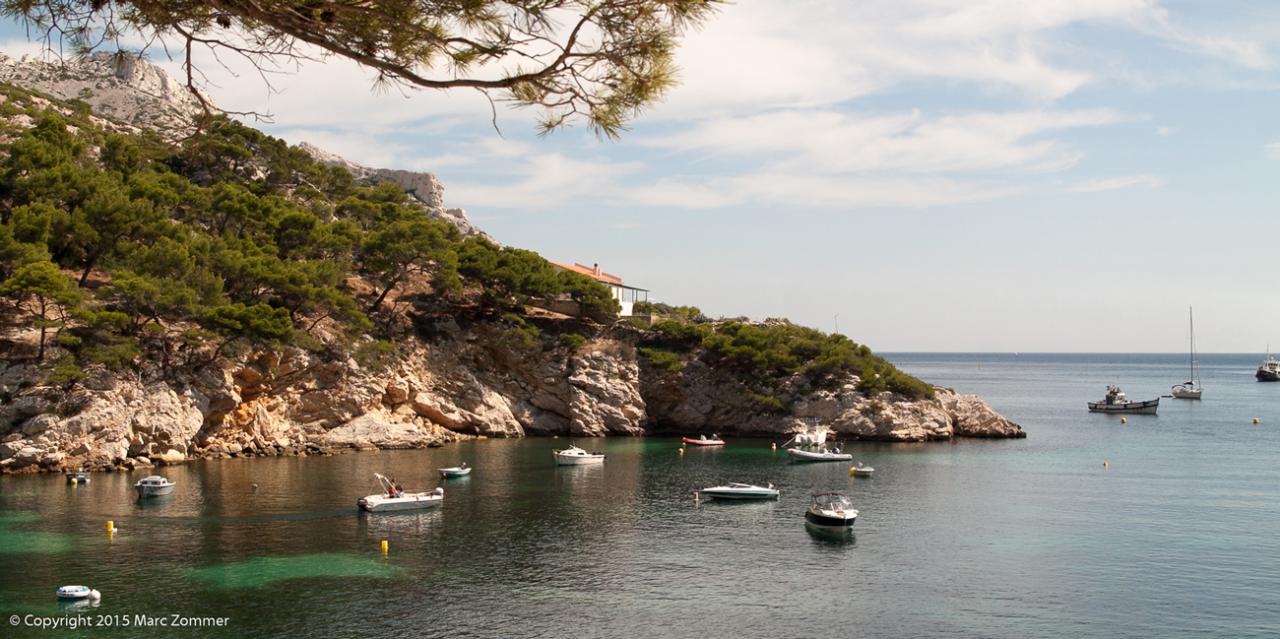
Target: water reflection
[824,536]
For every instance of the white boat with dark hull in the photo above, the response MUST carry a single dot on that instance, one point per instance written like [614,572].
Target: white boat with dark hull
[1117,402]
[736,490]
[1269,370]
[831,510]
[821,455]
[461,470]
[393,499]
[574,456]
[862,471]
[153,486]
[1190,389]
[77,477]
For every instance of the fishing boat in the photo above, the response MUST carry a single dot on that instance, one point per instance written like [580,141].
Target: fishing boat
[1117,402]
[702,440]
[831,510]
[77,477]
[1269,370]
[1190,389]
[78,592]
[153,486]
[861,471]
[741,491]
[821,455]
[461,470]
[392,498]
[574,456]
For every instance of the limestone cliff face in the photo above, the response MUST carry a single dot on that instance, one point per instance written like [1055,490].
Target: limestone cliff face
[120,87]
[469,383]
[424,188]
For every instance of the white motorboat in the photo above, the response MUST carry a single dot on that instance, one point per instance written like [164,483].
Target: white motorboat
[461,470]
[831,510]
[1190,389]
[861,471]
[392,498]
[574,456]
[78,592]
[1117,402]
[153,486]
[820,455]
[741,491]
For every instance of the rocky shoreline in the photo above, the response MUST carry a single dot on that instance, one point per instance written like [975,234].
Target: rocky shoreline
[470,383]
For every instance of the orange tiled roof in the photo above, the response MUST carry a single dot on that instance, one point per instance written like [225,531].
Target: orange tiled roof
[592,272]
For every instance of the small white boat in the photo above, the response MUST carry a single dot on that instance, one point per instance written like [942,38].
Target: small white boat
[574,456]
[741,491]
[461,470]
[153,486]
[821,455]
[391,498]
[77,477]
[861,471]
[78,592]
[831,510]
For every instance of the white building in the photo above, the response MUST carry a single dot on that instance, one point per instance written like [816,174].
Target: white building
[627,296]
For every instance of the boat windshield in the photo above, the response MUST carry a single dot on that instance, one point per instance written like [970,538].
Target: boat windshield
[832,501]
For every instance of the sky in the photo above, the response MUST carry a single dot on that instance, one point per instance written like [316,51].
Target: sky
[925,175]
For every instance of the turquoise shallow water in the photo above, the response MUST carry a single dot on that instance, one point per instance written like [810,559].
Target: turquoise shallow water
[1025,538]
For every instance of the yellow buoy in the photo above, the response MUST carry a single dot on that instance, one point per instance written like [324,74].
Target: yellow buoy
[1124,420]
[851,469]
[111,526]
[1257,421]
[385,547]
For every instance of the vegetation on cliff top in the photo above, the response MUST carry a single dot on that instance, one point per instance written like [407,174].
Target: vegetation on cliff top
[122,250]
[118,247]
[764,354]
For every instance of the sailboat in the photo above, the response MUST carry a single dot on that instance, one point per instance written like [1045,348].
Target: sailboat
[1190,389]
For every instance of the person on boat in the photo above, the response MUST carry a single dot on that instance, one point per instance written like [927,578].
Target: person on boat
[391,488]
[399,490]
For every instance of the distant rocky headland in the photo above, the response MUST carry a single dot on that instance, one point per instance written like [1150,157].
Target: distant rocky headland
[177,286]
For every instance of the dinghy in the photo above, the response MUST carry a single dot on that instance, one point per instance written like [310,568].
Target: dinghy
[461,470]
[703,441]
[741,491]
[78,592]
[77,477]
[861,471]
[821,455]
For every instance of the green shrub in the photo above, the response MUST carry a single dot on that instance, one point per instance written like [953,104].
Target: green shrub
[572,340]
[662,359]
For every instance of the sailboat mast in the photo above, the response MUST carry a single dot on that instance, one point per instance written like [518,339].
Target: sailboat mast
[1192,321]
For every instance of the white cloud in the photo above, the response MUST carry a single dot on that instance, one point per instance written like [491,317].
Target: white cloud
[1165,131]
[1117,183]
[831,141]
[1273,150]
[544,181]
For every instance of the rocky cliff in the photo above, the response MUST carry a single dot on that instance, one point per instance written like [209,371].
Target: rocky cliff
[469,382]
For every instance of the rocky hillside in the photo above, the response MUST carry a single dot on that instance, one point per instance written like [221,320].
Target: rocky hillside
[228,296]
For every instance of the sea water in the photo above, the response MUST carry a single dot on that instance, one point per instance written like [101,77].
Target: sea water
[1166,526]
